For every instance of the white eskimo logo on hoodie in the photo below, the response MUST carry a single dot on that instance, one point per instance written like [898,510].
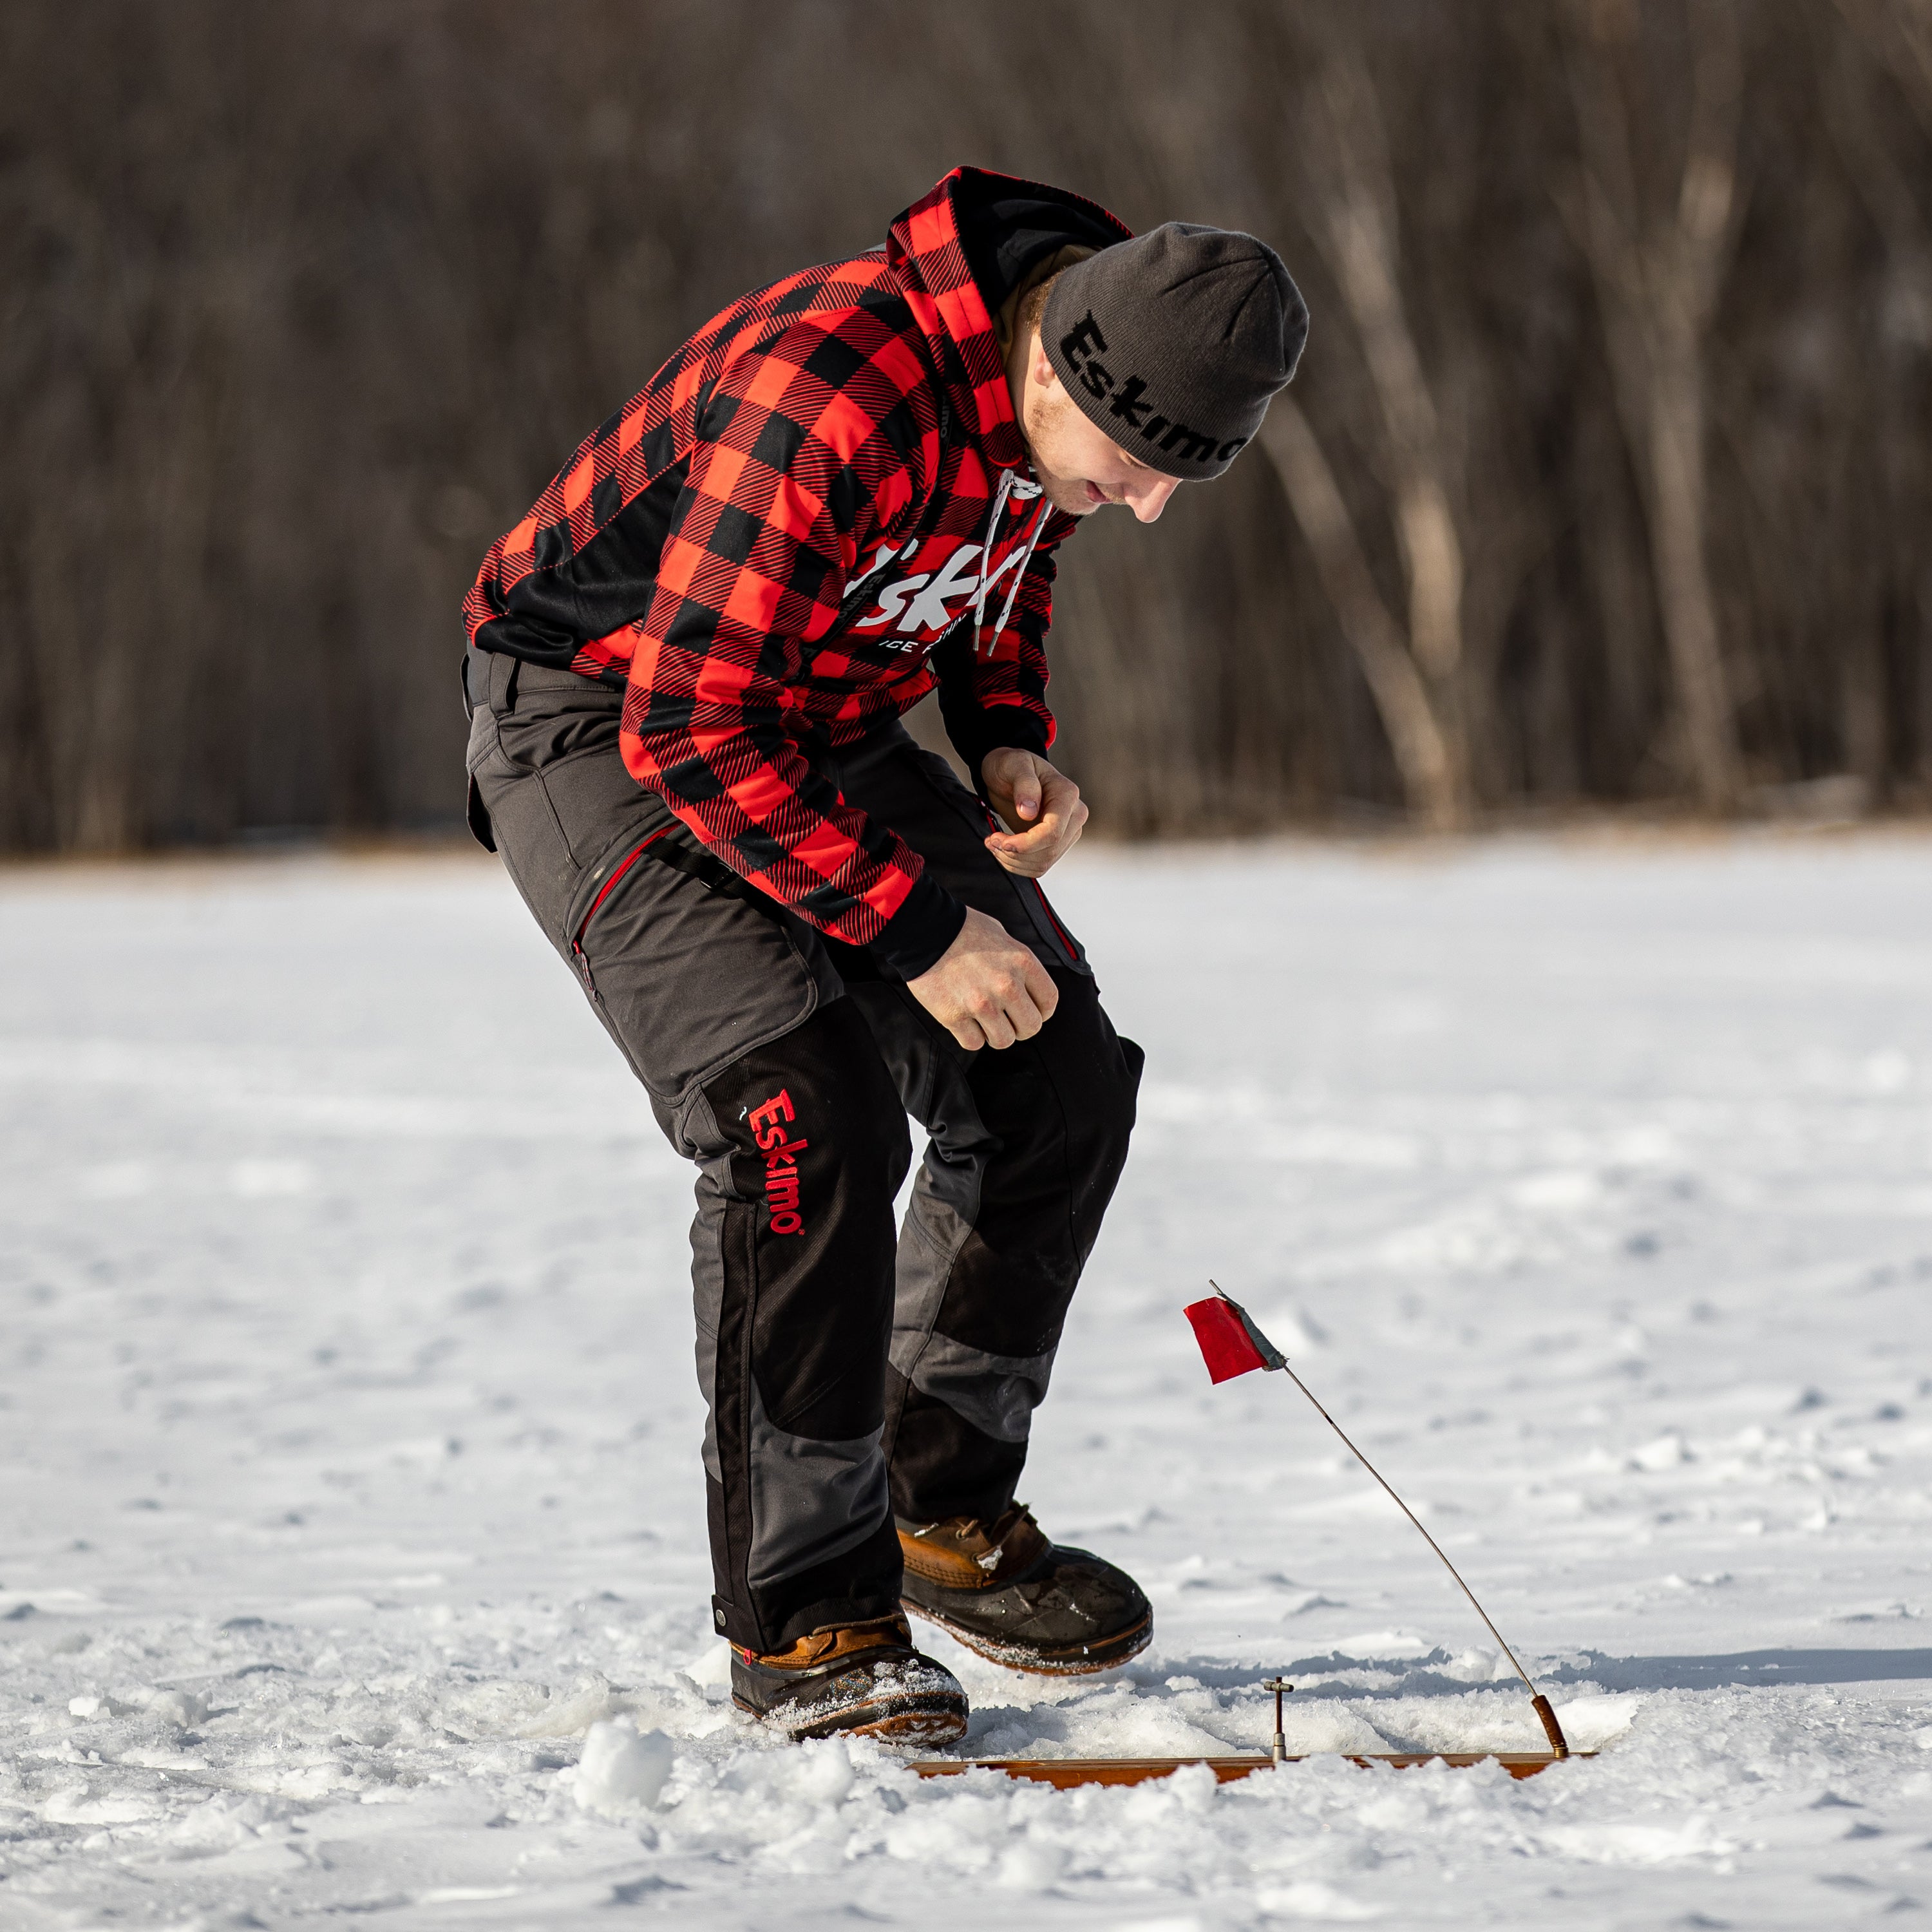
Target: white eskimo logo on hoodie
[920,606]
[930,592]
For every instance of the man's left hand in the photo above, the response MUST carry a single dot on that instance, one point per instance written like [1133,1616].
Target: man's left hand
[1043,803]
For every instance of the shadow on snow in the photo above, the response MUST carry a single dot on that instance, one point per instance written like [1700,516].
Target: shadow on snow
[1335,1675]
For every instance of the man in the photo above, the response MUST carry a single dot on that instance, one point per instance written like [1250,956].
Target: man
[688,665]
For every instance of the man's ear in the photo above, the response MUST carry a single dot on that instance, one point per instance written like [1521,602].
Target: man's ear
[1042,373]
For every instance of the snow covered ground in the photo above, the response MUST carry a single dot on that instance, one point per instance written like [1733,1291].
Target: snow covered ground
[348,1469]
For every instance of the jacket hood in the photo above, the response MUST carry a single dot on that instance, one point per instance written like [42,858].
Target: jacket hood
[958,252]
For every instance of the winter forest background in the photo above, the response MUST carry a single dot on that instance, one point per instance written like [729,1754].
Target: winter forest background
[1606,479]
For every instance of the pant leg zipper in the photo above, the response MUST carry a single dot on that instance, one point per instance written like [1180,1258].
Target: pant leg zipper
[1060,932]
[604,891]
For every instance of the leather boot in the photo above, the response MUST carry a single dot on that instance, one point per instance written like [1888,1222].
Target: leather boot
[1003,1590]
[865,1679]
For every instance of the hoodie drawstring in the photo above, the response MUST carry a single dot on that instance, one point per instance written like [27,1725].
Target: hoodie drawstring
[1011,485]
[1007,478]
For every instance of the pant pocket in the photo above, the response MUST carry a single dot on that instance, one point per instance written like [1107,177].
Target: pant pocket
[476,814]
[1043,927]
[684,978]
[1068,950]
[604,880]
[526,835]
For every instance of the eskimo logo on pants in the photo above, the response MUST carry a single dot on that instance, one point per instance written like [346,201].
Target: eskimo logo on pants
[767,1123]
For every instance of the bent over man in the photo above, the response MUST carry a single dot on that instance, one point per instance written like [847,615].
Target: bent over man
[687,668]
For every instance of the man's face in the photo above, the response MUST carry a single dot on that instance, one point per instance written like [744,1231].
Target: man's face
[1079,465]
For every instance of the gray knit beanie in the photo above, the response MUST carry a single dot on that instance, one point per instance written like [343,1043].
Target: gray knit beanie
[1173,343]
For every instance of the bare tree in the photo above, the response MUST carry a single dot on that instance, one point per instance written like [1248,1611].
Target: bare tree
[1434,773]
[1897,35]
[1900,33]
[301,305]
[1415,671]
[1658,253]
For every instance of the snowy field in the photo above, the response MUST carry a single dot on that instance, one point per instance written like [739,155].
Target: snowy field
[348,1430]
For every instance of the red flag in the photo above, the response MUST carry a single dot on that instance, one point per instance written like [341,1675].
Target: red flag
[1230,1342]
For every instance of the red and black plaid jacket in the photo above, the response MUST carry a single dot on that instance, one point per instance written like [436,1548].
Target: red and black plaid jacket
[818,508]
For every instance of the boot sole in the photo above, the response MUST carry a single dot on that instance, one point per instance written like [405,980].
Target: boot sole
[1080,1660]
[902,1721]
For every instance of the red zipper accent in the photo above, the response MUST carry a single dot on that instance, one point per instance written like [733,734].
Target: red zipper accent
[1060,931]
[1073,951]
[609,886]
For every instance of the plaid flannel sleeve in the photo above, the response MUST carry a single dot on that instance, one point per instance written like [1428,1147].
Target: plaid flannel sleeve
[793,476]
[993,697]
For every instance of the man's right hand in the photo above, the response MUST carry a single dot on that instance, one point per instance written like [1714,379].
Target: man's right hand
[986,988]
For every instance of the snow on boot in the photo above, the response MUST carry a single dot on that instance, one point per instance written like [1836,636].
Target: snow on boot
[1003,1590]
[863,1679]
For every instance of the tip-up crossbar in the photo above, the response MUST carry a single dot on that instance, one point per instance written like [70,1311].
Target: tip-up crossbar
[1063,1773]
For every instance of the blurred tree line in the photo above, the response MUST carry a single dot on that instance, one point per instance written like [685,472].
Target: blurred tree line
[1605,479]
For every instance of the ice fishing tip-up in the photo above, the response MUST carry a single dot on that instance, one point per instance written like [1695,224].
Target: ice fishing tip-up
[1232,1345]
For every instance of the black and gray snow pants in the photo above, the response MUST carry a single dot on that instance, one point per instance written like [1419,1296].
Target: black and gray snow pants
[850,1375]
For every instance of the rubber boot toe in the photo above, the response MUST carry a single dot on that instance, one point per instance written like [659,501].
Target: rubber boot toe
[861,1680]
[1007,1592]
